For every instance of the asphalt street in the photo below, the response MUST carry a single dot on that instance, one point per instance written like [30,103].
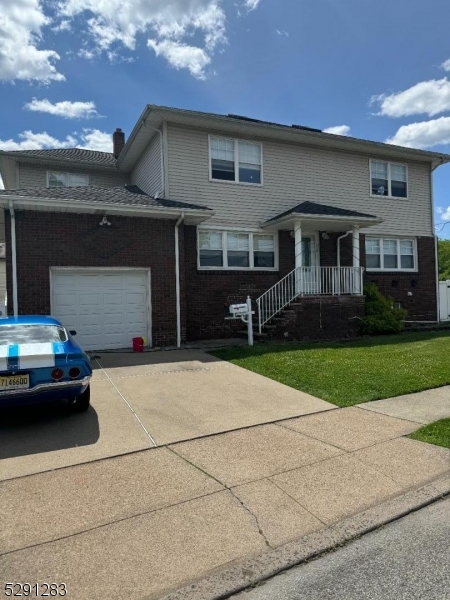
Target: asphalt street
[406,560]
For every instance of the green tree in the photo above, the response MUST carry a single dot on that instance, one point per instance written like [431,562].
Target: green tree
[444,259]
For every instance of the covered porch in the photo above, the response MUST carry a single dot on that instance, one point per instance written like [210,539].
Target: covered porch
[313,226]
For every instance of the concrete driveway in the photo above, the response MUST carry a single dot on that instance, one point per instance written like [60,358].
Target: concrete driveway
[140,401]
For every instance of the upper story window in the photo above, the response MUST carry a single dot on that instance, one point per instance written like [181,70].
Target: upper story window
[235,160]
[388,179]
[56,179]
[391,254]
[236,250]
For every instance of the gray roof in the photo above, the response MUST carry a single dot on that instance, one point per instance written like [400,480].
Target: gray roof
[312,208]
[129,195]
[72,155]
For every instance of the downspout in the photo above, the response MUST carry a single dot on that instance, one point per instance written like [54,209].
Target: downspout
[341,237]
[163,168]
[436,252]
[14,257]
[177,277]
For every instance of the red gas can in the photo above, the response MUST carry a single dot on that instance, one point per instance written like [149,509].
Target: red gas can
[138,344]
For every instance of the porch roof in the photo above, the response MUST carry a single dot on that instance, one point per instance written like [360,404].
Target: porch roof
[321,217]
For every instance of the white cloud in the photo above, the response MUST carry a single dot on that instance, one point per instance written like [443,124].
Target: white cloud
[427,97]
[446,65]
[65,109]
[444,214]
[169,24]
[94,139]
[21,23]
[89,139]
[423,135]
[338,130]
[64,25]
[181,56]
[251,4]
[282,32]
[36,141]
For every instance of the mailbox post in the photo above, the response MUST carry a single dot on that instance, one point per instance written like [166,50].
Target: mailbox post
[245,313]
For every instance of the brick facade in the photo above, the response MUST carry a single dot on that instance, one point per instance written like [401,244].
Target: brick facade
[209,292]
[321,317]
[421,305]
[46,239]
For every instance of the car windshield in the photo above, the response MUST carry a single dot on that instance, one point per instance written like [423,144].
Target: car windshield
[31,334]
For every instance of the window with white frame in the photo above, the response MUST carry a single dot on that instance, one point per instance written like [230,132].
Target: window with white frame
[390,254]
[235,250]
[235,160]
[56,179]
[388,179]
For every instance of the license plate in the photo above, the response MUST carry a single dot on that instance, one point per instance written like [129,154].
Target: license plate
[14,382]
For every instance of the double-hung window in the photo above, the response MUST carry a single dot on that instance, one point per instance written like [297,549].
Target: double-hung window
[56,179]
[391,254]
[388,179]
[235,160]
[236,250]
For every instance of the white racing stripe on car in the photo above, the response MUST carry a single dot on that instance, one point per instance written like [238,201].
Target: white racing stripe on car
[35,356]
[3,357]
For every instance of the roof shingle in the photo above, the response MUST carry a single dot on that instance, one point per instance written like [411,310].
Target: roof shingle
[73,155]
[129,195]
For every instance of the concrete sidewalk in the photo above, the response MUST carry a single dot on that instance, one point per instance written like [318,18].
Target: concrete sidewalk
[144,524]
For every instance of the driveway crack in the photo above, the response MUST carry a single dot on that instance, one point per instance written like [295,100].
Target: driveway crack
[229,489]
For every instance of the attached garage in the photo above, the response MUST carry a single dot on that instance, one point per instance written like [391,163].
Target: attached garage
[106,307]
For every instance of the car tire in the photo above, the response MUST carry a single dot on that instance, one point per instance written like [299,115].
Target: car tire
[82,402]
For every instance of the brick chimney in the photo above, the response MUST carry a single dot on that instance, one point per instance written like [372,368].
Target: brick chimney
[118,142]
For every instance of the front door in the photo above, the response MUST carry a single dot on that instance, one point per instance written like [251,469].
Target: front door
[310,273]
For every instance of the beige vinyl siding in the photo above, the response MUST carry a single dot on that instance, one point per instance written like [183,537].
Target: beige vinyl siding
[9,173]
[34,176]
[147,173]
[293,174]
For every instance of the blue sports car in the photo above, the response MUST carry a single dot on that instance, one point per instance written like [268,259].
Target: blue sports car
[41,362]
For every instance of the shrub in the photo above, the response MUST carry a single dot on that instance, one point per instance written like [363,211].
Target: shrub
[382,316]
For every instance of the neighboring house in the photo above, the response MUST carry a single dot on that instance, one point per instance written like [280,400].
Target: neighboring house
[197,211]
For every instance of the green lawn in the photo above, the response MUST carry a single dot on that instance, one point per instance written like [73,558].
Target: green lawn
[437,433]
[346,373]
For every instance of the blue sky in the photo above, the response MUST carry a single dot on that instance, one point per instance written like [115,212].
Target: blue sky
[72,71]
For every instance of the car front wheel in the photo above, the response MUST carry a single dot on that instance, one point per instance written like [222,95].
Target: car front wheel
[81,402]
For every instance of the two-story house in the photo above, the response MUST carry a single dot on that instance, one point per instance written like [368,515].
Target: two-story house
[197,211]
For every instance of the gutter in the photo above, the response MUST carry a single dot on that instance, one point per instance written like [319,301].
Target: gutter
[101,208]
[14,257]
[177,278]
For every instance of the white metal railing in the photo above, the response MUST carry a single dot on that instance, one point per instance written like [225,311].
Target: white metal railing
[309,281]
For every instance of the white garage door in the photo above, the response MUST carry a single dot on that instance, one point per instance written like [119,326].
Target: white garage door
[107,308]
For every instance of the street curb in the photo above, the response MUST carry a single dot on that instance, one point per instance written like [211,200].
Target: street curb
[224,583]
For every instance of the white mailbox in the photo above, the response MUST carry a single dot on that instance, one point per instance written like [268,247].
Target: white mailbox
[245,313]
[236,310]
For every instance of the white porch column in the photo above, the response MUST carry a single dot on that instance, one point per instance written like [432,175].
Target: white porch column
[298,244]
[357,277]
[355,246]
[298,256]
